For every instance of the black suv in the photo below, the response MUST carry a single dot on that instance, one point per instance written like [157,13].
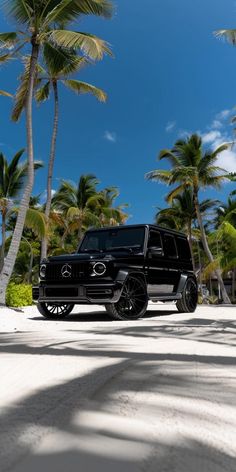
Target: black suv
[122,268]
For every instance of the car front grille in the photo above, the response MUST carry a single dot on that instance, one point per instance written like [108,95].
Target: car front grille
[65,272]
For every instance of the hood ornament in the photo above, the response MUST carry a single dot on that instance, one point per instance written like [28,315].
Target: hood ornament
[66,271]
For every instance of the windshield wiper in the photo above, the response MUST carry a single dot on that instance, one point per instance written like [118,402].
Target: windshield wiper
[123,248]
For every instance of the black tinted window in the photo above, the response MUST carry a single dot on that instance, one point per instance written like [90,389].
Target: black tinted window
[169,246]
[183,249]
[112,238]
[154,239]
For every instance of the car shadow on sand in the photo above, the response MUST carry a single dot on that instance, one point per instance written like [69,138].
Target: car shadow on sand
[102,316]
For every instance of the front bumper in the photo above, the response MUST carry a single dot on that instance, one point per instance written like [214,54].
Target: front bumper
[78,294]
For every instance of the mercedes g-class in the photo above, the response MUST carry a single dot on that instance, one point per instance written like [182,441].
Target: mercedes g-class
[122,268]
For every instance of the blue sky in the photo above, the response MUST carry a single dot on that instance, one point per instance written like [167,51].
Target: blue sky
[170,76]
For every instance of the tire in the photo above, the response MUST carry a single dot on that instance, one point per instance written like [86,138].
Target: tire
[132,303]
[188,302]
[55,311]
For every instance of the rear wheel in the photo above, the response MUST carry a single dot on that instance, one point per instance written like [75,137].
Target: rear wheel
[188,302]
[132,303]
[55,311]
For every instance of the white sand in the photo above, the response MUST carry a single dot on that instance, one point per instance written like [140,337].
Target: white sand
[89,394]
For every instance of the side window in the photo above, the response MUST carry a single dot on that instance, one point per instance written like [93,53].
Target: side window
[154,239]
[170,246]
[183,249]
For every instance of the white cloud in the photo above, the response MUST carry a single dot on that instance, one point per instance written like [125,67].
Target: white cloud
[223,115]
[227,160]
[216,134]
[170,126]
[216,124]
[211,136]
[44,195]
[110,136]
[184,133]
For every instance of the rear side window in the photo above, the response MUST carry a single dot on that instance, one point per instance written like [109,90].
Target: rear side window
[170,246]
[154,239]
[183,249]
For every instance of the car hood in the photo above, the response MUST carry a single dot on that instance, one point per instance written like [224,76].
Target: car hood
[112,255]
[76,257]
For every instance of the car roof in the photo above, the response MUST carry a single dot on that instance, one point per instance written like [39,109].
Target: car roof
[148,225]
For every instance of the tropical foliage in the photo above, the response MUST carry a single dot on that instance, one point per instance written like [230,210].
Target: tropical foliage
[194,168]
[53,54]
[40,25]
[75,208]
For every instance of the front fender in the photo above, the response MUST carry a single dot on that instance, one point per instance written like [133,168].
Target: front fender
[123,274]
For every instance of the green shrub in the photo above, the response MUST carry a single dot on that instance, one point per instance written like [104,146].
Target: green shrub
[19,295]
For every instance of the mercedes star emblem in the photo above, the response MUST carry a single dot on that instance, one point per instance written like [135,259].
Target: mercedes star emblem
[66,271]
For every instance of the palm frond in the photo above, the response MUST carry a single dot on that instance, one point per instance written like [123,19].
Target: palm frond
[159,175]
[169,155]
[21,93]
[227,34]
[6,94]
[36,221]
[173,194]
[22,11]
[8,39]
[82,87]
[14,163]
[67,10]
[73,212]
[210,268]
[95,7]
[5,58]
[90,45]
[42,93]
[59,59]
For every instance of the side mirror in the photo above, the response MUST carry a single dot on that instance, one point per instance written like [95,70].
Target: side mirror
[155,252]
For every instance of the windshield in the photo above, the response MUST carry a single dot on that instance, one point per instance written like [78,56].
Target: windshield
[113,239]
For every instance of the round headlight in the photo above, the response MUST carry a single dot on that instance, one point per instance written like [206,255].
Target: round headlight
[99,268]
[42,271]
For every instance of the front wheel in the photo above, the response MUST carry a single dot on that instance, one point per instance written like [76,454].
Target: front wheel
[132,303]
[188,302]
[55,311]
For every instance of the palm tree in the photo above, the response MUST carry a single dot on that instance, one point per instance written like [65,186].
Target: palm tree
[182,214]
[108,213]
[60,64]
[58,70]
[226,212]
[39,24]
[192,167]
[79,203]
[12,179]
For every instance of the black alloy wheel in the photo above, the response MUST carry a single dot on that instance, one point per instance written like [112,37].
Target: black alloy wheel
[188,302]
[133,301]
[55,311]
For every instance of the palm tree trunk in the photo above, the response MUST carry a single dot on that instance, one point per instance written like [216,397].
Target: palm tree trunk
[50,167]
[207,250]
[30,267]
[16,238]
[3,240]
[191,243]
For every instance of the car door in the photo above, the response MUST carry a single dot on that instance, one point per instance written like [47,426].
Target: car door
[157,271]
[171,260]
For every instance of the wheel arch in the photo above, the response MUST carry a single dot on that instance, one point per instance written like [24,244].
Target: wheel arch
[183,280]
[123,274]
